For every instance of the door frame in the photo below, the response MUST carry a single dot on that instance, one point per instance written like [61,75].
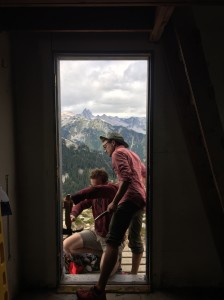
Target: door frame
[136,283]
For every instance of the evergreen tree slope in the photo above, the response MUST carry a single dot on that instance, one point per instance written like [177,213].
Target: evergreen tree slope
[77,162]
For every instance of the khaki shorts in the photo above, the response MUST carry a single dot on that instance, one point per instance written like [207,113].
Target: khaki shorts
[95,242]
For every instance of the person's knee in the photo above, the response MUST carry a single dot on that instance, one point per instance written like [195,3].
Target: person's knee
[73,242]
[137,248]
[65,245]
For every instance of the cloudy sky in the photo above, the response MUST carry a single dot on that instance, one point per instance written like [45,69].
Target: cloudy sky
[114,87]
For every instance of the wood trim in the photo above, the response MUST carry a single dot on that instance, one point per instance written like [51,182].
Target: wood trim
[106,2]
[117,283]
[162,16]
[71,289]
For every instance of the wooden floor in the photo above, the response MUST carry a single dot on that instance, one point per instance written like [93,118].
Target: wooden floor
[118,283]
[126,254]
[126,261]
[177,294]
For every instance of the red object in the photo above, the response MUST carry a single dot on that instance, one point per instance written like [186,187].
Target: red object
[74,269]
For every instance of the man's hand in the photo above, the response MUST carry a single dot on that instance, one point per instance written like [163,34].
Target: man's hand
[112,207]
[67,198]
[72,218]
[123,186]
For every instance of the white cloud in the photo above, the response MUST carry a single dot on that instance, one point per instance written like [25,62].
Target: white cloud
[113,87]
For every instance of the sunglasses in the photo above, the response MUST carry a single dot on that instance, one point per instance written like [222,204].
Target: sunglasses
[105,145]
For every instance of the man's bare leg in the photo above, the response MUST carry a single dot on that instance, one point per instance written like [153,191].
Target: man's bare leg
[109,262]
[136,259]
[115,267]
[74,245]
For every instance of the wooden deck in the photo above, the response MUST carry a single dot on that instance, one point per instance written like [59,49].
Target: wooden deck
[127,258]
[126,255]
[118,283]
[126,261]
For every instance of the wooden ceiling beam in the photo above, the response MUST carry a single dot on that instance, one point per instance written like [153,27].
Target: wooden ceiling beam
[162,16]
[42,3]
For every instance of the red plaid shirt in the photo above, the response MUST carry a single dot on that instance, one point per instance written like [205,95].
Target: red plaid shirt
[128,167]
[96,197]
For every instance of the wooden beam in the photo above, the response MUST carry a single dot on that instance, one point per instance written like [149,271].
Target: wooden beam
[107,2]
[162,16]
[117,283]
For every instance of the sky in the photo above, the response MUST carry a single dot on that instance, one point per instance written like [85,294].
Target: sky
[111,87]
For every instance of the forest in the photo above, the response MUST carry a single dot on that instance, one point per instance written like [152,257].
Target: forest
[77,163]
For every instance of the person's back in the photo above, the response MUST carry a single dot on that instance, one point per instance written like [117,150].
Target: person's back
[128,166]
[97,197]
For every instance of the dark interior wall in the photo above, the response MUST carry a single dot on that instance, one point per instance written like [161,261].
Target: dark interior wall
[7,163]
[183,251]
[35,156]
[212,29]
[33,61]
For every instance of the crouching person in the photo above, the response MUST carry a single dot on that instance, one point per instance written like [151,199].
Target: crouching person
[97,197]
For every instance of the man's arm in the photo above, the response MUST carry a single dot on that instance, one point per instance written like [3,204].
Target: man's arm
[94,192]
[123,186]
[78,208]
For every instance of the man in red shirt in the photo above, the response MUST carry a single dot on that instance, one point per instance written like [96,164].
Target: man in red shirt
[129,200]
[92,241]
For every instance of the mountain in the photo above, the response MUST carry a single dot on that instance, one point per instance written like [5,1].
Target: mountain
[137,124]
[82,149]
[85,129]
[133,123]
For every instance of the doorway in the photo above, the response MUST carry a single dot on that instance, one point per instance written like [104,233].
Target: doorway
[96,95]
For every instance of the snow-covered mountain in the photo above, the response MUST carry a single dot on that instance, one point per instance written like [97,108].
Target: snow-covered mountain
[137,124]
[85,129]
